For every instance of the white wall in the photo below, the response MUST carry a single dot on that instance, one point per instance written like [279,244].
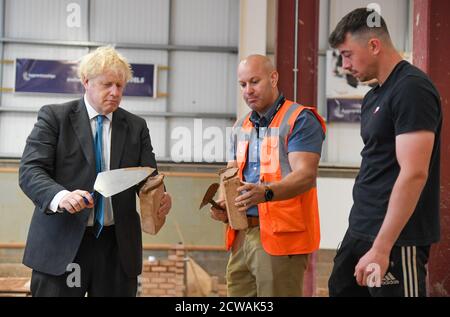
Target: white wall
[44,19]
[335,202]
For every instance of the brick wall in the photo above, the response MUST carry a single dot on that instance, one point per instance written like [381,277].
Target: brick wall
[168,277]
[165,277]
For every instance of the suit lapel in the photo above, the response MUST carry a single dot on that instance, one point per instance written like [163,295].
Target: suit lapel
[118,137]
[80,122]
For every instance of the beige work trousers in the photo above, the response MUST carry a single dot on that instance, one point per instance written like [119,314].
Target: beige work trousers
[251,271]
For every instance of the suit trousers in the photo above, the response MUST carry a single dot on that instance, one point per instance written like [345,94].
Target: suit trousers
[251,271]
[95,272]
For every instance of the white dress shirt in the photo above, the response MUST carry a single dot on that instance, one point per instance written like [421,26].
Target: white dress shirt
[108,213]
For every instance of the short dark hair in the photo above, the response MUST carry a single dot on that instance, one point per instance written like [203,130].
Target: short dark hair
[356,23]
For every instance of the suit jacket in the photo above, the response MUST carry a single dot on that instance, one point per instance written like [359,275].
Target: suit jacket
[59,154]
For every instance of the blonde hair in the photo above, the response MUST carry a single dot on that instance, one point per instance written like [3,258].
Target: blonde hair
[104,58]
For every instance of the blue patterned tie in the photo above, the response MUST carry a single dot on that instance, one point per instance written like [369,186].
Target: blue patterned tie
[99,201]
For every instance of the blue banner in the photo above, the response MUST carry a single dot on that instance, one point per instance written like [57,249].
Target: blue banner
[143,82]
[51,76]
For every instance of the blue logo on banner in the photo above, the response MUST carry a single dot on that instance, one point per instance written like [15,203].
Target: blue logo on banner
[50,76]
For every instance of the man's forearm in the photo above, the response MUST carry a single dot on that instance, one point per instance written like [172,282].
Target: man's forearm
[295,183]
[404,197]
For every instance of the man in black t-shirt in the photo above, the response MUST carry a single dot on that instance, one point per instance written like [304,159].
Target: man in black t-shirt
[395,215]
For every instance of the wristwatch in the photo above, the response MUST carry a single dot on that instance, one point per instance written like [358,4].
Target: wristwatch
[268,193]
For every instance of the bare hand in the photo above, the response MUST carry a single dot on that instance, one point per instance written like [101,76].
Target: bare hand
[73,202]
[253,195]
[371,268]
[165,206]
[217,214]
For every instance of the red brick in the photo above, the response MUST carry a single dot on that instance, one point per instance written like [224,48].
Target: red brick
[171,292]
[157,292]
[179,264]
[167,263]
[146,268]
[144,280]
[150,274]
[167,286]
[180,287]
[159,280]
[159,269]
[149,286]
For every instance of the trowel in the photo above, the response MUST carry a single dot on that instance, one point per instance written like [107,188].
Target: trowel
[209,195]
[110,183]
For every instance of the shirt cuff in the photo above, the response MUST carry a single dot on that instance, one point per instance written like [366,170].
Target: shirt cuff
[55,201]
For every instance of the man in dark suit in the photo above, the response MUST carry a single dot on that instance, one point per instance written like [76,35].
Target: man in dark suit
[77,243]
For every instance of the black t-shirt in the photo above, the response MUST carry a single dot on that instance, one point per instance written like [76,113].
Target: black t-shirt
[406,102]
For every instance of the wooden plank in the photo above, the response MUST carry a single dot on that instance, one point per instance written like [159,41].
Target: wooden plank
[162,247]
[9,169]
[15,285]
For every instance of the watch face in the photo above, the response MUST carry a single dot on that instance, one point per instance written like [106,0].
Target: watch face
[268,194]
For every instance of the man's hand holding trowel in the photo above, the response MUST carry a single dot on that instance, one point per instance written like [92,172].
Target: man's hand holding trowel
[219,214]
[109,183]
[76,201]
[225,209]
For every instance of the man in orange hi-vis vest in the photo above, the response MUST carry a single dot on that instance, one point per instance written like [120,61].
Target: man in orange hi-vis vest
[277,149]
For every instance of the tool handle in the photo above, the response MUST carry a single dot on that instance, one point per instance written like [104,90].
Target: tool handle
[216,205]
[85,199]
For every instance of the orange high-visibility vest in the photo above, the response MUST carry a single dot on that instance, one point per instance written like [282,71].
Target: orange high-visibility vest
[290,226]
